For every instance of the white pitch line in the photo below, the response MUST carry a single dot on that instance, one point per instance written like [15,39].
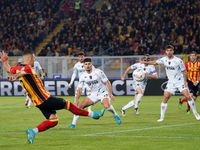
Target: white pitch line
[168,126]
[11,107]
[162,137]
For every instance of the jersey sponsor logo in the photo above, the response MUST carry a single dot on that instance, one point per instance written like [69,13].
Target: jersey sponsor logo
[22,69]
[170,68]
[92,82]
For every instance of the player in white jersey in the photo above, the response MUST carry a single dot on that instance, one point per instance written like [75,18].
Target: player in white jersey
[177,80]
[139,87]
[36,66]
[100,90]
[79,69]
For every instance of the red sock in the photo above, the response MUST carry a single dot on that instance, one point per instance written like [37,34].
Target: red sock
[184,100]
[75,110]
[47,124]
[188,106]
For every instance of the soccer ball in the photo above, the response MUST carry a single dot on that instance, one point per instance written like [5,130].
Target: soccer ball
[139,74]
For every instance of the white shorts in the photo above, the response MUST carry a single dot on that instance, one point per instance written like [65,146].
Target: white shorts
[173,87]
[139,84]
[98,96]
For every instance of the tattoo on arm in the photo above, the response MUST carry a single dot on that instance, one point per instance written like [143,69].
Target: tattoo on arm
[184,75]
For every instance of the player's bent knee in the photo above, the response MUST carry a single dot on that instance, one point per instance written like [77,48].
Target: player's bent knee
[107,106]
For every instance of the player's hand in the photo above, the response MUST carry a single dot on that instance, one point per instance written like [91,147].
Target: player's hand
[112,97]
[123,78]
[3,55]
[148,76]
[11,78]
[70,86]
[42,78]
[76,103]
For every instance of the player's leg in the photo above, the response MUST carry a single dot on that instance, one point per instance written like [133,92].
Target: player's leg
[186,93]
[190,86]
[52,121]
[129,105]
[140,92]
[88,93]
[163,109]
[194,94]
[86,102]
[106,103]
[29,103]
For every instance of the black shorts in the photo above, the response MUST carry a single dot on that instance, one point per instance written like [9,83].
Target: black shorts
[51,105]
[193,89]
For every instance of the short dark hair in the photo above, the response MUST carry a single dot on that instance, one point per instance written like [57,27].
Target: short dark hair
[27,52]
[146,55]
[87,60]
[193,52]
[169,46]
[81,53]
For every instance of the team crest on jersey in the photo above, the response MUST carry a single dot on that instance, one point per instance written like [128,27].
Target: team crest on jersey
[82,66]
[169,62]
[90,77]
[144,69]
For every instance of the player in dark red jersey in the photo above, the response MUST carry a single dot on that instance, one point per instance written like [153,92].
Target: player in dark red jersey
[193,78]
[39,96]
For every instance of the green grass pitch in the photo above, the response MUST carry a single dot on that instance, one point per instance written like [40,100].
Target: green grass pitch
[179,131]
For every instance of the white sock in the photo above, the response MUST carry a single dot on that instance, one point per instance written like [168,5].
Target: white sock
[36,130]
[129,105]
[112,110]
[26,96]
[192,105]
[29,102]
[75,119]
[163,109]
[89,107]
[138,99]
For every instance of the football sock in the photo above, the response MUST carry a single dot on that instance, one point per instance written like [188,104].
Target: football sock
[192,105]
[184,100]
[29,102]
[138,99]
[163,109]
[77,111]
[46,125]
[188,106]
[112,110]
[75,119]
[89,107]
[129,105]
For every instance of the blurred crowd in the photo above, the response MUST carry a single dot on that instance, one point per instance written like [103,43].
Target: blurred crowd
[25,23]
[120,27]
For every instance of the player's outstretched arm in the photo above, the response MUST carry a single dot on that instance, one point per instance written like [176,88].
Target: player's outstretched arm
[154,62]
[126,72]
[72,78]
[4,58]
[16,76]
[155,76]
[41,73]
[110,90]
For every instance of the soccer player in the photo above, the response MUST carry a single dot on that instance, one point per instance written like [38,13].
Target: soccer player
[36,66]
[139,87]
[79,69]
[193,78]
[39,96]
[100,90]
[177,79]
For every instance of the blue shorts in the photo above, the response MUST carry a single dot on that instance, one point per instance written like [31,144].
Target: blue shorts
[51,105]
[193,89]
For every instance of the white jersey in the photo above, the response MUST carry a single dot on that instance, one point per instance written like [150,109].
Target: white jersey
[78,69]
[95,80]
[149,69]
[36,66]
[173,67]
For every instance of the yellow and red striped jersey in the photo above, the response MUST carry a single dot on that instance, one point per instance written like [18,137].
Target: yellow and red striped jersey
[32,83]
[192,70]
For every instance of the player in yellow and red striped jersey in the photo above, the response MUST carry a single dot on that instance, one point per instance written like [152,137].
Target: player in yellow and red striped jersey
[39,96]
[193,78]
